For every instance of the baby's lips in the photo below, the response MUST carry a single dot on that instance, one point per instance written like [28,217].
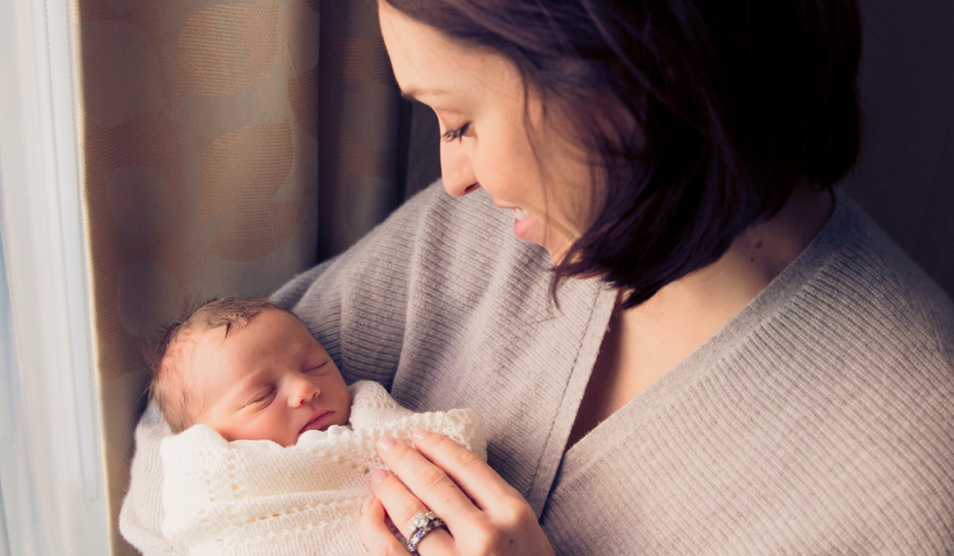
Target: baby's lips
[320,421]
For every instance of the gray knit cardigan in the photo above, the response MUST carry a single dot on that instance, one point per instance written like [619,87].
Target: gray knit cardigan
[820,420]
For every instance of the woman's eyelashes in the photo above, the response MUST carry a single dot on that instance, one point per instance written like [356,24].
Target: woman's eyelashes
[455,134]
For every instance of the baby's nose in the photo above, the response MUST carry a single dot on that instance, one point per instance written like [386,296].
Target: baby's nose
[305,391]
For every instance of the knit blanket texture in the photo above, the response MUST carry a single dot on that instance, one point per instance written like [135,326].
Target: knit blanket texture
[255,497]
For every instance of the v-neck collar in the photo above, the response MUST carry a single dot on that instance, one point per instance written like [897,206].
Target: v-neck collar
[692,369]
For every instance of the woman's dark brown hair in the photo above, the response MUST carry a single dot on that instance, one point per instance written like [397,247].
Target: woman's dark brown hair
[736,102]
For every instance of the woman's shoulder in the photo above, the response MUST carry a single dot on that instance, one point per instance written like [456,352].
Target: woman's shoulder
[869,281]
[853,315]
[861,326]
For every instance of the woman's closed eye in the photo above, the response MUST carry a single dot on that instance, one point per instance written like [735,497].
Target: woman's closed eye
[455,134]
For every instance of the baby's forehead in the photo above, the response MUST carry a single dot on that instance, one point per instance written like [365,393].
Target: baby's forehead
[182,350]
[206,335]
[211,335]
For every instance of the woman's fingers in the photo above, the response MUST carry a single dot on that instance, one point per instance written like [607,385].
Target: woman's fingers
[402,507]
[374,532]
[484,515]
[427,482]
[470,473]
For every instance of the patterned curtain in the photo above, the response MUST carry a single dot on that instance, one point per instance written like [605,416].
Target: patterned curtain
[375,148]
[208,127]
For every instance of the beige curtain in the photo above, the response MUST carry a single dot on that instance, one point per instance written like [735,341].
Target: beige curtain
[375,148]
[208,125]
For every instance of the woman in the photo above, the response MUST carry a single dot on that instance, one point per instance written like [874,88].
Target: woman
[728,356]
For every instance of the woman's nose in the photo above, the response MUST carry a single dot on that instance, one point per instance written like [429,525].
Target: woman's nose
[457,170]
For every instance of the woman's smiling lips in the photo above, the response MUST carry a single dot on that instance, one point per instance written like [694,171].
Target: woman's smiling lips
[523,221]
[319,422]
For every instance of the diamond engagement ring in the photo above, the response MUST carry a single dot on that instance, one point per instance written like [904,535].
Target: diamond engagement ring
[421,525]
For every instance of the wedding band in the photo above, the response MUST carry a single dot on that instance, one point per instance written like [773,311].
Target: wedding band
[421,524]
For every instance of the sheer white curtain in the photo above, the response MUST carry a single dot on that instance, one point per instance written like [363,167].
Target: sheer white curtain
[51,470]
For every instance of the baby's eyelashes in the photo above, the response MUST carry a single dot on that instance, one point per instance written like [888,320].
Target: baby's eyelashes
[262,399]
[317,368]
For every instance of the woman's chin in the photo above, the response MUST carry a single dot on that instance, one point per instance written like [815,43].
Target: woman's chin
[531,230]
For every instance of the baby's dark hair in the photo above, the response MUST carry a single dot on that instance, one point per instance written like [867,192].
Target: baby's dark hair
[175,397]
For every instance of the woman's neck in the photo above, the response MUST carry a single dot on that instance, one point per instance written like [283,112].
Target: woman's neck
[645,342]
[708,298]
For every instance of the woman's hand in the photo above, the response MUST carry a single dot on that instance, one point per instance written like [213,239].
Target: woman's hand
[483,514]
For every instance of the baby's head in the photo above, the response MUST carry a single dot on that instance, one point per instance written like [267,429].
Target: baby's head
[248,369]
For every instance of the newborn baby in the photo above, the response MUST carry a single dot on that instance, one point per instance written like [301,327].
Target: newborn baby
[248,370]
[264,449]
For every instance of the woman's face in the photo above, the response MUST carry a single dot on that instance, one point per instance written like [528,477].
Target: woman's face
[484,110]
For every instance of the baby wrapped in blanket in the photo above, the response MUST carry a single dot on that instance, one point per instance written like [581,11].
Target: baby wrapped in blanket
[273,452]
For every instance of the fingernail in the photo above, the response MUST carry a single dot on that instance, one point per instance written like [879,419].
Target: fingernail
[378,476]
[366,504]
[386,443]
[420,433]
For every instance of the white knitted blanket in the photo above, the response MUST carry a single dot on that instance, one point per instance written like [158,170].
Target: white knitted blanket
[255,497]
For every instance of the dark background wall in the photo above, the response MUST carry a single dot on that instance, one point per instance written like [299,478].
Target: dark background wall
[905,176]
